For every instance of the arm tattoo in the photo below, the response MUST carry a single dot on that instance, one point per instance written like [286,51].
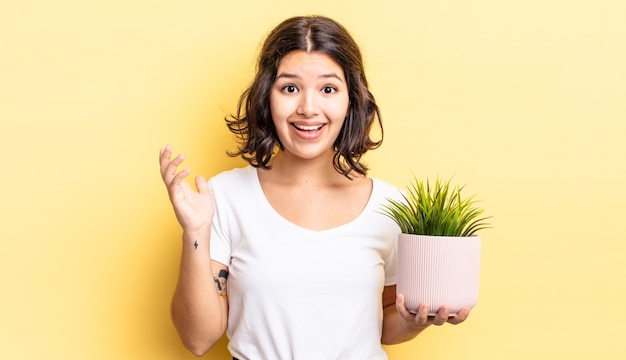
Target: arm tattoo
[220,282]
[195,245]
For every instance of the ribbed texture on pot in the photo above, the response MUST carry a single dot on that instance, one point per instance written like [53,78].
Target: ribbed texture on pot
[438,270]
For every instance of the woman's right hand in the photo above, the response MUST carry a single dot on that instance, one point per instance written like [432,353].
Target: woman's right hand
[194,209]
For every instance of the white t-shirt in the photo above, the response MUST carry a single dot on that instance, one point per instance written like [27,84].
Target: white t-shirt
[296,293]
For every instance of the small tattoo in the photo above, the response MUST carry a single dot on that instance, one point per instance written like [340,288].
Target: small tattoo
[195,244]
[220,282]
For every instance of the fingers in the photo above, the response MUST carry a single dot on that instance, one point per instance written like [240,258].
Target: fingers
[170,176]
[169,167]
[178,178]
[423,318]
[441,317]
[402,310]
[201,184]
[164,157]
[460,316]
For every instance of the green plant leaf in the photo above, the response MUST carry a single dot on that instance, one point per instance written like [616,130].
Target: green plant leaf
[437,209]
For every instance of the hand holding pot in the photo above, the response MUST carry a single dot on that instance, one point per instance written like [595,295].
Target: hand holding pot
[422,319]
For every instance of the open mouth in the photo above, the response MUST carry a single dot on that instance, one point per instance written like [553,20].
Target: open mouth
[308,127]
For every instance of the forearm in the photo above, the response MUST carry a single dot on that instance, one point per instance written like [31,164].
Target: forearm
[396,330]
[198,310]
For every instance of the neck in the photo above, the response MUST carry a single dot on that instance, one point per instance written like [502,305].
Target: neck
[319,171]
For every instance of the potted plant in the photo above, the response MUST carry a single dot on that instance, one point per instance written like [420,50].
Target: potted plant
[438,249]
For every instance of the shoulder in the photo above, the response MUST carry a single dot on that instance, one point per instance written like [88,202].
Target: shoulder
[383,189]
[234,188]
[233,177]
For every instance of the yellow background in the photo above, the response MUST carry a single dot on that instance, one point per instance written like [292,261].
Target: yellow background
[523,101]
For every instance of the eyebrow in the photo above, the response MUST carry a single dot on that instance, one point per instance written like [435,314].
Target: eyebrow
[294,76]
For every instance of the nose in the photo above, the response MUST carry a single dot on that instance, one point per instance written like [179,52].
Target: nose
[308,105]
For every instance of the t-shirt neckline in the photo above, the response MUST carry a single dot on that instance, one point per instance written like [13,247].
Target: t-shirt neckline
[258,190]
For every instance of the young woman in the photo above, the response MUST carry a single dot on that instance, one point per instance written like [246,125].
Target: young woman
[295,239]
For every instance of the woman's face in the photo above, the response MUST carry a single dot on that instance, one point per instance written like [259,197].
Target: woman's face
[309,103]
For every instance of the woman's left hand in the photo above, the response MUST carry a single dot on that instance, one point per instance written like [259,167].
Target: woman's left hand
[422,319]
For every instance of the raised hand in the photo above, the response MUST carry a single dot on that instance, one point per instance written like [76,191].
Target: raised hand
[194,209]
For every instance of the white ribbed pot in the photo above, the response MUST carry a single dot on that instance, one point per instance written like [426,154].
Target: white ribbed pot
[438,270]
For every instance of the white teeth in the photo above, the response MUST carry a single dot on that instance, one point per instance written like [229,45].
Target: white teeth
[307,128]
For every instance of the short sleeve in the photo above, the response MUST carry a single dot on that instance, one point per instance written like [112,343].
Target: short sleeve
[388,192]
[391,263]
[221,245]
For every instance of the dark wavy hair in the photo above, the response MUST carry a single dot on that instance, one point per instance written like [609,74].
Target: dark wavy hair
[253,125]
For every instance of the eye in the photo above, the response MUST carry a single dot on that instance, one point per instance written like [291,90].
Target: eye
[290,89]
[328,89]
